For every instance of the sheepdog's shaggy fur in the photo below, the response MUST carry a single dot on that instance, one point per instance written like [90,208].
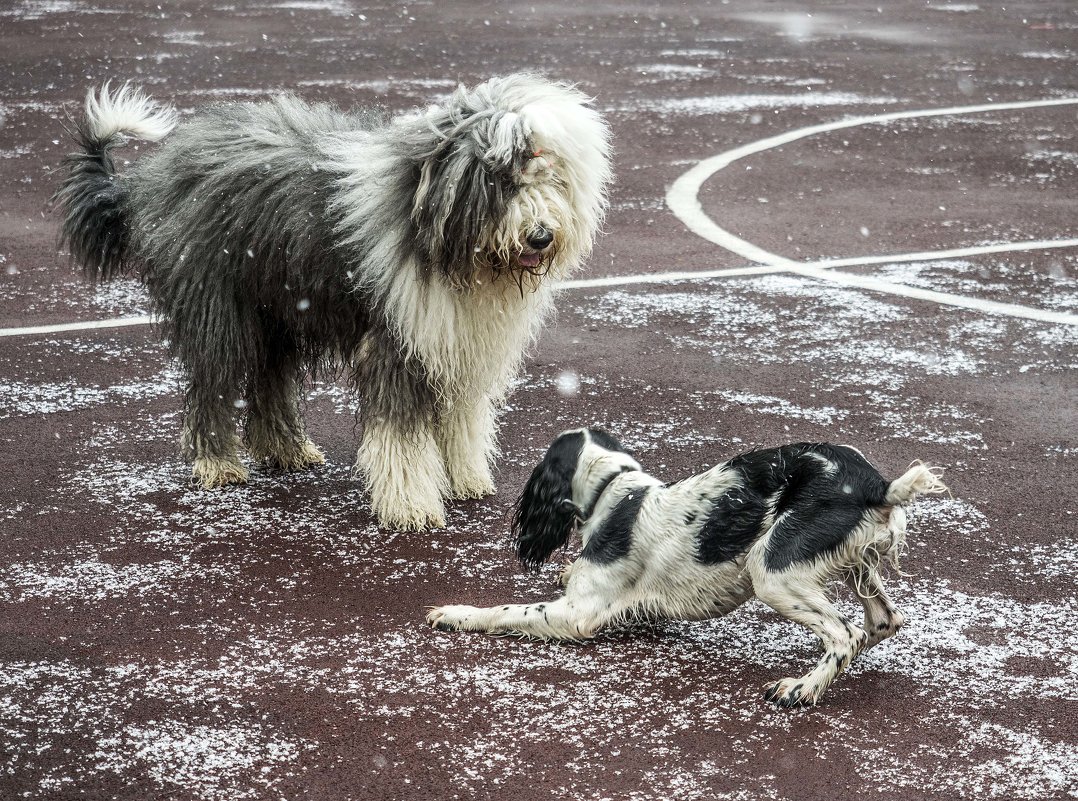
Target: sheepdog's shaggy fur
[420,253]
[780,524]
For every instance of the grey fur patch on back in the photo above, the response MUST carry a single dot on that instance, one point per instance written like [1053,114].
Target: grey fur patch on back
[234,236]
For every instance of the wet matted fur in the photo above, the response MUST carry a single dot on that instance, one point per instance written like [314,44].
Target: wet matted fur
[780,524]
[420,253]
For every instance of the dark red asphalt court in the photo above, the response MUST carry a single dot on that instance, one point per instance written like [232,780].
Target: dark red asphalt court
[266,642]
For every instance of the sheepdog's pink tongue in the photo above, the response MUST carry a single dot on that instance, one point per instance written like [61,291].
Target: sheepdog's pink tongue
[529,259]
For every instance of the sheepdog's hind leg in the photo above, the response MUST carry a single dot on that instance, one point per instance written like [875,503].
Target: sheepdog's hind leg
[882,618]
[467,439]
[209,434]
[212,355]
[803,600]
[275,434]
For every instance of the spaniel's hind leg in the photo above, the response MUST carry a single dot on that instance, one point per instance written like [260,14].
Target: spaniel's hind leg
[882,618]
[797,593]
[275,433]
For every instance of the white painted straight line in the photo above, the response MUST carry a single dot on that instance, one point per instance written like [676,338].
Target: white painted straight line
[666,278]
[586,283]
[952,253]
[822,270]
[60,328]
[944,298]
[776,264]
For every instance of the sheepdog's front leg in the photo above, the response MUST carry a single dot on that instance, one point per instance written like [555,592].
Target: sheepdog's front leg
[805,602]
[398,457]
[466,435]
[405,475]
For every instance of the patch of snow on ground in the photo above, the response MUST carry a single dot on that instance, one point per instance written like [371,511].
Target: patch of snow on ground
[20,398]
[43,704]
[1058,560]
[122,297]
[185,37]
[338,8]
[1052,55]
[89,579]
[945,644]
[844,332]
[988,761]
[36,9]
[781,407]
[414,86]
[207,760]
[1054,288]
[917,424]
[1066,157]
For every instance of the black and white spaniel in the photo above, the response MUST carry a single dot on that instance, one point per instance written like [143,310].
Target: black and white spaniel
[780,524]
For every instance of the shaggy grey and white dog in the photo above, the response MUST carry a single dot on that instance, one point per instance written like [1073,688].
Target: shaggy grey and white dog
[780,524]
[278,238]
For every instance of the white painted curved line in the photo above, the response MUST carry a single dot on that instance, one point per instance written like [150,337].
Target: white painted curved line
[682,197]
[683,200]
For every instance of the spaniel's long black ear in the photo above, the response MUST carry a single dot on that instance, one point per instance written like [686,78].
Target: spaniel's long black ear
[605,440]
[544,515]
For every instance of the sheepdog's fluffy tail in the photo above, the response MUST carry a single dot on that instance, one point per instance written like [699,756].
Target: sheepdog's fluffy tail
[920,479]
[91,199]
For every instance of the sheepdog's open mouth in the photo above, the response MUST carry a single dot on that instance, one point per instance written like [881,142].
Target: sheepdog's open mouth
[529,258]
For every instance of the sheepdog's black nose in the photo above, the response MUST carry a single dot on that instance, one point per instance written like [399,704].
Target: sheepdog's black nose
[540,238]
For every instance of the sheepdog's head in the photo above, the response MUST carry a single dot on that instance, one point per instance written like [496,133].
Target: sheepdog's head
[510,181]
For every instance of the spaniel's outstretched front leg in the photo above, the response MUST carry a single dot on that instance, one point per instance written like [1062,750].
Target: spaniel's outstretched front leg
[592,598]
